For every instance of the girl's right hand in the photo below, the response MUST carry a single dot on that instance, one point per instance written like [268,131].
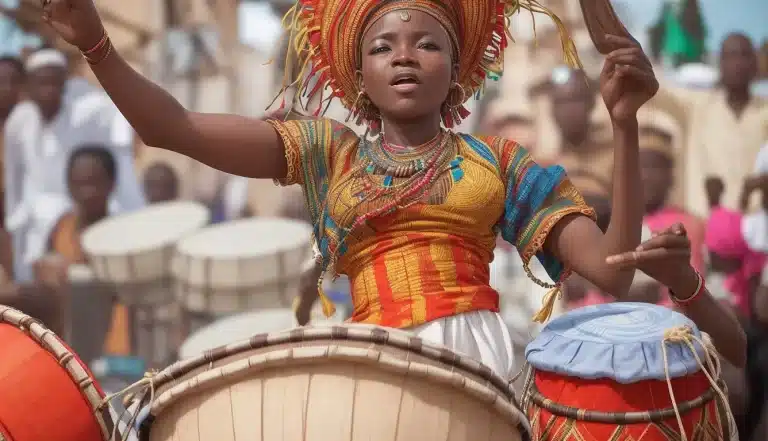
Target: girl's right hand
[76,21]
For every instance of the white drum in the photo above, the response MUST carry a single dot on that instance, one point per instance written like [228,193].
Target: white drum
[247,264]
[243,326]
[137,248]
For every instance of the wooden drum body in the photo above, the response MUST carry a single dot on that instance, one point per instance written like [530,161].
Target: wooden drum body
[46,392]
[600,373]
[135,250]
[247,264]
[351,382]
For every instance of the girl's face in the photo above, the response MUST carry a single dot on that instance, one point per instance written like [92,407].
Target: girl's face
[406,65]
[90,184]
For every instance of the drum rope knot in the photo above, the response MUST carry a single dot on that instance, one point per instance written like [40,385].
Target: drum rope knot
[128,394]
[711,366]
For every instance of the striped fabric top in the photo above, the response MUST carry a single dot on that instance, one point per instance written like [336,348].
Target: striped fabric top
[431,259]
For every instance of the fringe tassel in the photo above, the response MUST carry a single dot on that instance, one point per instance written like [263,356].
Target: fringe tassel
[328,307]
[548,305]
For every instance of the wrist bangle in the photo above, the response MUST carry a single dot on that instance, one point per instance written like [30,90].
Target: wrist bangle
[699,289]
[96,46]
[103,47]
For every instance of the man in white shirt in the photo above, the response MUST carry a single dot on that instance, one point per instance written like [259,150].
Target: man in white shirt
[40,134]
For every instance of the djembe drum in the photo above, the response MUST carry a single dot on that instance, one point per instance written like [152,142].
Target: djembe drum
[134,251]
[46,392]
[625,371]
[352,382]
[242,265]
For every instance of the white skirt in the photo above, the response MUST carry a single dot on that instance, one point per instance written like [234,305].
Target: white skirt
[481,335]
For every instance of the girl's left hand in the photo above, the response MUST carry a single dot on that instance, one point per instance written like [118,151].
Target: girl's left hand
[627,80]
[666,257]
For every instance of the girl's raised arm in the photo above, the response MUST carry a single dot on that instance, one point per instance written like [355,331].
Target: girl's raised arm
[231,143]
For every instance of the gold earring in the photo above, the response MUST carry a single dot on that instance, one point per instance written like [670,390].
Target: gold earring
[459,102]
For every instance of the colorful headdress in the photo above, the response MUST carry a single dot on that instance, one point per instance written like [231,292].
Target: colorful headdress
[326,33]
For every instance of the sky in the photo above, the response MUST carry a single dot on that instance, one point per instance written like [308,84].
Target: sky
[259,27]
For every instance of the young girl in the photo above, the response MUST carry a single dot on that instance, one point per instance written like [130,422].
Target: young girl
[410,216]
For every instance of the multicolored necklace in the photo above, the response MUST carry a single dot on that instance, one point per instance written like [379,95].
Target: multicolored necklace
[401,161]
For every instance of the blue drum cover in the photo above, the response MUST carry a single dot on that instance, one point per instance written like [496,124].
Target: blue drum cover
[620,341]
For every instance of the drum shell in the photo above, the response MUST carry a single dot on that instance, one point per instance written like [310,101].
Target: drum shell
[46,391]
[328,389]
[605,395]
[220,285]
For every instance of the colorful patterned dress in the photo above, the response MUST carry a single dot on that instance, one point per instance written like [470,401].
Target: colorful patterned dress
[430,259]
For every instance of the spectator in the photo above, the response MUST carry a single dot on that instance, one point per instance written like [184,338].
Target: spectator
[39,137]
[504,118]
[657,166]
[161,184]
[91,177]
[726,127]
[11,82]
[585,146]
[729,253]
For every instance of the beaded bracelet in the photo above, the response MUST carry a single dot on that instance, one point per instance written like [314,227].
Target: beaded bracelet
[699,289]
[103,42]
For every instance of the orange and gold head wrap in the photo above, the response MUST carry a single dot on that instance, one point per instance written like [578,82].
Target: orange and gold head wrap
[326,35]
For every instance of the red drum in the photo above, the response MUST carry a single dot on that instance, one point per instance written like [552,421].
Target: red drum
[605,372]
[46,392]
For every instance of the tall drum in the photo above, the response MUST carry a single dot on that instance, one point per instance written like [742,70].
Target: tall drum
[46,392]
[247,264]
[625,371]
[135,250]
[351,382]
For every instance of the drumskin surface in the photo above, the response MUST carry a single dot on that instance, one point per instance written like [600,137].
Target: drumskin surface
[39,401]
[333,387]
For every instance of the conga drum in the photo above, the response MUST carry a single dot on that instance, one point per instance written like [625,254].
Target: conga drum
[46,392]
[324,383]
[242,265]
[242,326]
[134,251]
[625,371]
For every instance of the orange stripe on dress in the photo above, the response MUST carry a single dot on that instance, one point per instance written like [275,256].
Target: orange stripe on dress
[383,288]
[464,272]
[431,283]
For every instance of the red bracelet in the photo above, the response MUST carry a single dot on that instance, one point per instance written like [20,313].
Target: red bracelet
[699,289]
[96,46]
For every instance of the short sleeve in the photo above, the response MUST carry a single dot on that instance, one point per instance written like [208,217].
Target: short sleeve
[536,199]
[312,147]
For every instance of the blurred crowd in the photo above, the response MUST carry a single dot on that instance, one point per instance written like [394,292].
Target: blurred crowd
[71,160]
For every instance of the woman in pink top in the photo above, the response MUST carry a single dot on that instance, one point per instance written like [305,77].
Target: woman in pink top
[730,255]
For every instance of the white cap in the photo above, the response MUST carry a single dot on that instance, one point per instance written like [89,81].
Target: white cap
[46,58]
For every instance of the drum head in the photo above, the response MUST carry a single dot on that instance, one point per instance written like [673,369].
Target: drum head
[248,238]
[236,328]
[152,227]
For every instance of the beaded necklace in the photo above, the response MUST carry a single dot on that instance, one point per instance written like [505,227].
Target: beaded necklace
[403,161]
[417,168]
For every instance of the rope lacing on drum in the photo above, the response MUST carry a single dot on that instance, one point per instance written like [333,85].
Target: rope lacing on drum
[685,335]
[129,393]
